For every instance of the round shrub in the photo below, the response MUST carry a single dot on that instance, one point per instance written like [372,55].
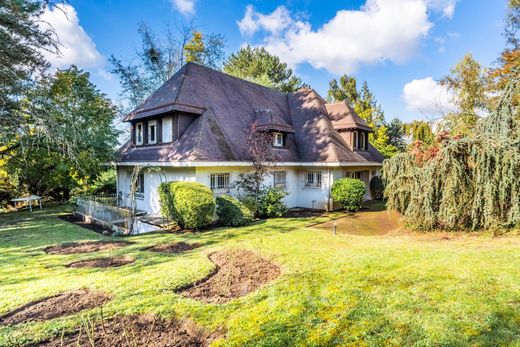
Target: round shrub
[377,187]
[349,192]
[232,212]
[190,204]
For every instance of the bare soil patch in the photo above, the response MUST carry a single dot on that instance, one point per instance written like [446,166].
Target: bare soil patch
[85,247]
[100,229]
[304,213]
[59,305]
[238,273]
[176,247]
[136,330]
[103,262]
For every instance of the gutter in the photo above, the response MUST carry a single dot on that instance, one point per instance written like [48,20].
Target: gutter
[242,163]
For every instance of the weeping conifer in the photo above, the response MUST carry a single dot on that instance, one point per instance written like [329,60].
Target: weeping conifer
[472,182]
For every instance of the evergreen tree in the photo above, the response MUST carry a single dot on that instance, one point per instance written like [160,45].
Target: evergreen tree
[396,133]
[346,90]
[259,66]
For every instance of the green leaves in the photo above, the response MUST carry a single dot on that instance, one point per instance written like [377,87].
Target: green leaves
[349,192]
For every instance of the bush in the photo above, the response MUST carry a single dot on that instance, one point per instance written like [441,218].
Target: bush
[377,187]
[270,203]
[251,203]
[232,212]
[349,192]
[190,204]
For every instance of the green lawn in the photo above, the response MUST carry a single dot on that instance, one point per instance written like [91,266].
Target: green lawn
[339,289]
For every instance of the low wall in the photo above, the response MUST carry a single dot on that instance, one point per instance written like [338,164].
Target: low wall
[104,214]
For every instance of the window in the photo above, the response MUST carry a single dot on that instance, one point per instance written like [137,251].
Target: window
[278,139]
[152,132]
[355,139]
[313,179]
[219,182]
[139,186]
[167,129]
[362,141]
[280,179]
[139,134]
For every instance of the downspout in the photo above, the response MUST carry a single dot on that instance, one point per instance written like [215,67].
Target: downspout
[329,207]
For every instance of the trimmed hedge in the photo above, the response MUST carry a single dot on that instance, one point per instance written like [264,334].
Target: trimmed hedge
[190,204]
[349,192]
[232,212]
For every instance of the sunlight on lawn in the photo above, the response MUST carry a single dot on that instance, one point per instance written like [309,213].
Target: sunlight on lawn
[334,289]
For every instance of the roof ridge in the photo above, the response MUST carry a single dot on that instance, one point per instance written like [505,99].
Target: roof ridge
[243,80]
[181,83]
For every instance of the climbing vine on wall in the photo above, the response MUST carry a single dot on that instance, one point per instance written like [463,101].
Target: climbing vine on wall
[470,182]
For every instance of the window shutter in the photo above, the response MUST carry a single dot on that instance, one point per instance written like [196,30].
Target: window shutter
[159,130]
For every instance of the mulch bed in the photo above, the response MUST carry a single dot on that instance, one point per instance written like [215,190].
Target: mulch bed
[177,247]
[59,305]
[238,273]
[103,262]
[90,226]
[136,330]
[85,247]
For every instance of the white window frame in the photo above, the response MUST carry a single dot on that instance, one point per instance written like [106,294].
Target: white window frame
[220,182]
[356,139]
[278,139]
[362,141]
[313,180]
[152,123]
[139,134]
[280,179]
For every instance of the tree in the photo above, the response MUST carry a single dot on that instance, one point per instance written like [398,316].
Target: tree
[258,142]
[467,81]
[80,119]
[22,41]
[257,65]
[421,131]
[508,65]
[396,133]
[472,182]
[159,58]
[346,90]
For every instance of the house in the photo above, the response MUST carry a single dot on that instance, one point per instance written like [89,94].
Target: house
[193,128]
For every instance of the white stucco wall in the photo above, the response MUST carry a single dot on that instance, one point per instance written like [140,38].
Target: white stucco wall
[299,195]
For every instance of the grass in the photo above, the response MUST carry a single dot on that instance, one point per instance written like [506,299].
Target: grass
[343,289]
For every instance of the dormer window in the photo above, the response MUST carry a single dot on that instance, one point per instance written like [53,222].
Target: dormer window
[362,141]
[139,134]
[152,132]
[277,139]
[356,136]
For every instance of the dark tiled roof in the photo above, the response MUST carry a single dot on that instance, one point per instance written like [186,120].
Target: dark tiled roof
[343,116]
[224,106]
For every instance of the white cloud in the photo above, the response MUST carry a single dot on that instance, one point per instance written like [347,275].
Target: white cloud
[447,7]
[185,7]
[76,46]
[428,97]
[273,23]
[382,30]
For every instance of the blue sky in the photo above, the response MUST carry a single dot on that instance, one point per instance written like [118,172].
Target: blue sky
[389,43]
